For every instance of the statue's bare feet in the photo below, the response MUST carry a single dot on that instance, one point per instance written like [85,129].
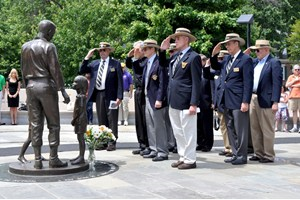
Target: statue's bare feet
[79,160]
[22,159]
[71,160]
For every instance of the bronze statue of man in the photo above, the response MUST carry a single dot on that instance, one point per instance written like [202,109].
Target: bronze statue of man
[43,78]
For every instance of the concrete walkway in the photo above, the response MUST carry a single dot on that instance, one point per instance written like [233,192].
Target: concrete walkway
[139,178]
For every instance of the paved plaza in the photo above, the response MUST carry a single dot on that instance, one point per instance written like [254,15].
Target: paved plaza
[139,178]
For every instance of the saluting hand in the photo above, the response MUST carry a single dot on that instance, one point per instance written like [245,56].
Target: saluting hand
[165,43]
[217,49]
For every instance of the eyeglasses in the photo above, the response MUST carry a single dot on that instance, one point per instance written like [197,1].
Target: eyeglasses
[297,69]
[102,50]
[257,50]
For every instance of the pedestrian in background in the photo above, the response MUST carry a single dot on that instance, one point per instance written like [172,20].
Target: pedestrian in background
[13,88]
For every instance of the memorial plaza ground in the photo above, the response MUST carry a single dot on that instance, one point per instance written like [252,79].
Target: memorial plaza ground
[139,178]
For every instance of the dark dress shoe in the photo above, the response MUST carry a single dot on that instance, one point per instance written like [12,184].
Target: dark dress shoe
[150,155]
[176,164]
[223,153]
[146,151]
[111,147]
[205,149]
[187,166]
[2,123]
[175,150]
[239,161]
[230,160]
[265,160]
[160,158]
[199,148]
[228,154]
[136,152]
[254,158]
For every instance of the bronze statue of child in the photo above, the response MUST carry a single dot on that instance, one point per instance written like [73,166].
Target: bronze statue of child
[79,120]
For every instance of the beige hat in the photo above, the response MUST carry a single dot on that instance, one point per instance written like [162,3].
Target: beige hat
[233,37]
[184,32]
[222,53]
[150,43]
[172,47]
[105,45]
[261,44]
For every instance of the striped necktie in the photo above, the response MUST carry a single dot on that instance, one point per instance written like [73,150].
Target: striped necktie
[228,66]
[99,76]
[176,62]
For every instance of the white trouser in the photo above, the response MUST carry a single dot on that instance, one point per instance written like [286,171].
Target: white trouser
[123,108]
[185,131]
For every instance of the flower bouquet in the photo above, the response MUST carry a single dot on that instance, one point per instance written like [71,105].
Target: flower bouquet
[98,136]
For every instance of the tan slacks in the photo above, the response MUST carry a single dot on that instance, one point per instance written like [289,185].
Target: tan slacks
[262,122]
[224,132]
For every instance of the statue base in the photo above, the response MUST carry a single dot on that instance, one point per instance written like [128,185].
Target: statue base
[28,169]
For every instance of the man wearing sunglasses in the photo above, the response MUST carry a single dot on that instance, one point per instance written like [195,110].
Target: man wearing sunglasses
[106,86]
[267,84]
[293,83]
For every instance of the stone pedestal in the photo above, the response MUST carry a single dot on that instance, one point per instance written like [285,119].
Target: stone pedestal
[28,169]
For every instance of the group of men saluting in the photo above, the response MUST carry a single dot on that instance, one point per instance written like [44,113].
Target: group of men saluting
[249,88]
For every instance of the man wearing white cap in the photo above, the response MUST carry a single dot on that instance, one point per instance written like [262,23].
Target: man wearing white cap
[184,96]
[264,103]
[237,73]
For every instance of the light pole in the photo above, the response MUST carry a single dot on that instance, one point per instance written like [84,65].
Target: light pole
[246,19]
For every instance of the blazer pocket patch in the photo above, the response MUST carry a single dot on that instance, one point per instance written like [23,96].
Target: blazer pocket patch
[183,64]
[236,69]
[154,77]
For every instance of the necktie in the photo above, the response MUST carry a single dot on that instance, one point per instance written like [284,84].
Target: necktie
[99,76]
[176,62]
[228,66]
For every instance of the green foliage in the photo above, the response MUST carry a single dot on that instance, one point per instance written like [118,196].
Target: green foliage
[294,41]
[83,24]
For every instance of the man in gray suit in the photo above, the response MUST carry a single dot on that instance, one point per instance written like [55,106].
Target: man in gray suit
[155,87]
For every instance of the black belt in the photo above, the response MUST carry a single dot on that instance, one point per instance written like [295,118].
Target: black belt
[254,93]
[126,90]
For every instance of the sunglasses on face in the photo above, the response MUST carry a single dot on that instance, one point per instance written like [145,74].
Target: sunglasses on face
[297,69]
[102,50]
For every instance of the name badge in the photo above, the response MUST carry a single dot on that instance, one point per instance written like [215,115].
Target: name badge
[154,77]
[183,64]
[236,69]
[112,69]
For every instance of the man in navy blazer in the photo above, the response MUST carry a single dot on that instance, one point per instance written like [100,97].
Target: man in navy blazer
[184,96]
[106,85]
[264,103]
[237,73]
[154,84]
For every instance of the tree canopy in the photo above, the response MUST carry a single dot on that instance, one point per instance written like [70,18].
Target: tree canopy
[83,24]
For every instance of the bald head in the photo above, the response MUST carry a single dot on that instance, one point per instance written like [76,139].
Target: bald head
[47,29]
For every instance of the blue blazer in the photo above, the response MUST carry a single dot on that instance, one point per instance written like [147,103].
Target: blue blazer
[270,82]
[113,82]
[238,83]
[157,84]
[185,84]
